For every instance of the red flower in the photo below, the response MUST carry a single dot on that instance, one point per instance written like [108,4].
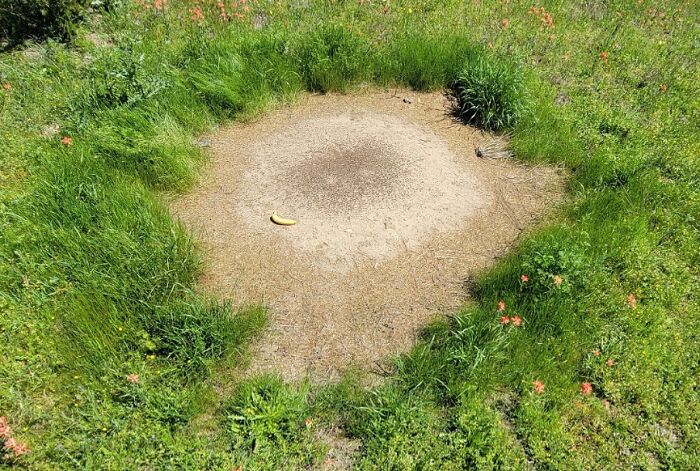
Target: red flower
[501,306]
[610,362]
[133,378]
[548,20]
[604,56]
[18,448]
[197,14]
[538,386]
[505,320]
[516,321]
[524,278]
[67,141]
[632,300]
[544,16]
[222,9]
[586,388]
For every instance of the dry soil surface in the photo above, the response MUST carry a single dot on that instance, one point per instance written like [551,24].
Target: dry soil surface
[395,211]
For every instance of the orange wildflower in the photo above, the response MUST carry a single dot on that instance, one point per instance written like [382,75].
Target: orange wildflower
[632,300]
[544,16]
[604,56]
[586,388]
[18,448]
[558,280]
[538,386]
[663,87]
[516,321]
[505,320]
[610,362]
[505,22]
[222,10]
[596,352]
[524,278]
[67,141]
[501,306]
[197,14]
[6,86]
[548,20]
[133,378]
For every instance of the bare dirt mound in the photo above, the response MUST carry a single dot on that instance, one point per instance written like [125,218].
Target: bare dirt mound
[394,212]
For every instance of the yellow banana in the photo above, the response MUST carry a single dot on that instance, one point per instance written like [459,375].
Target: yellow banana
[282,221]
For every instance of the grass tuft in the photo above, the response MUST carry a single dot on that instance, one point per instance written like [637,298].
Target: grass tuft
[491,93]
[331,59]
[268,424]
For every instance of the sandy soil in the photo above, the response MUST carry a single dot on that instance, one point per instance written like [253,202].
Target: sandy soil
[394,212]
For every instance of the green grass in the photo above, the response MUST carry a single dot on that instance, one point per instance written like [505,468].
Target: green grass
[490,93]
[98,283]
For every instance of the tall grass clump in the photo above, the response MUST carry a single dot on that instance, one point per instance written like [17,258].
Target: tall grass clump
[240,76]
[147,142]
[129,269]
[218,81]
[422,60]
[193,333]
[330,59]
[491,93]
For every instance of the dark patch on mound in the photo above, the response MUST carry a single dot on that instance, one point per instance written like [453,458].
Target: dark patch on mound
[342,177]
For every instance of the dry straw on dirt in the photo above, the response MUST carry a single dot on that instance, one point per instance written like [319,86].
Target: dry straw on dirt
[394,211]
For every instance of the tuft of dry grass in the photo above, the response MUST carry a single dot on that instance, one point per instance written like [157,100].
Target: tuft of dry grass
[495,148]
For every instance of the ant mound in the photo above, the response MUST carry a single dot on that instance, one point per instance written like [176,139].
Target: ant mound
[394,212]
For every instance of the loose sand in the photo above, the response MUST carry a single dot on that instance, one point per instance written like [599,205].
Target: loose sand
[394,213]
